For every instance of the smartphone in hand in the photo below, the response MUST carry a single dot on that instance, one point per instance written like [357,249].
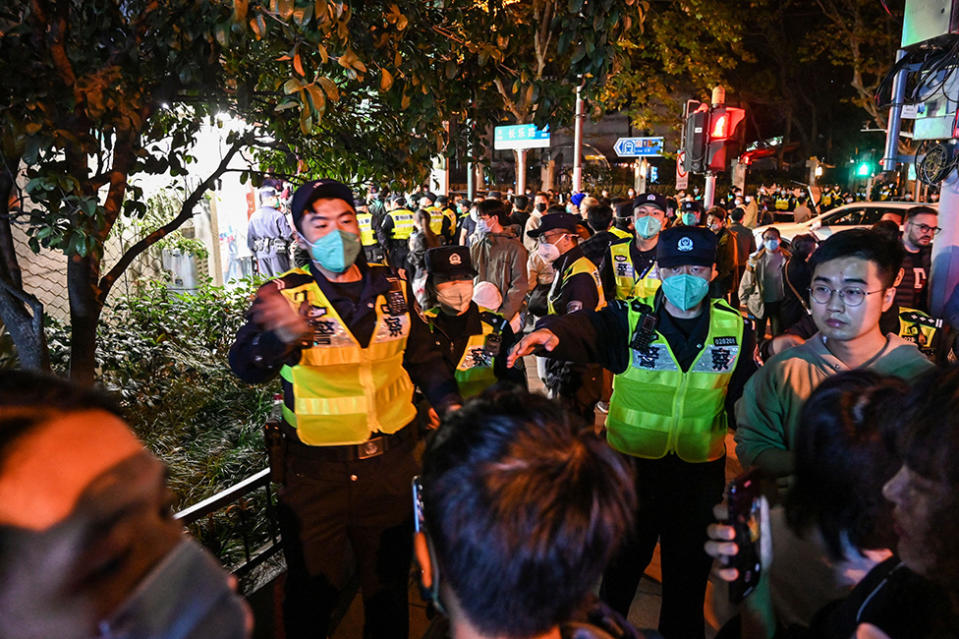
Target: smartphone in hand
[744,500]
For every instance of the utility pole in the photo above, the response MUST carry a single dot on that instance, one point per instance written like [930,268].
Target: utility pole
[718,99]
[578,143]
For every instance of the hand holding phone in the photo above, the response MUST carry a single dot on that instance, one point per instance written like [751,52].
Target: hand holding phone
[747,515]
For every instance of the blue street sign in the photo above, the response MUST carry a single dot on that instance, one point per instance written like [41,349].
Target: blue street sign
[653,174]
[520,136]
[638,147]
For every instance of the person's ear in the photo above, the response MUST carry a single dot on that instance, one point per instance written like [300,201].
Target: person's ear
[421,552]
[714,273]
[888,298]
[899,276]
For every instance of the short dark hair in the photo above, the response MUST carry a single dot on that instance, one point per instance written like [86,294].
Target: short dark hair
[918,210]
[774,230]
[442,200]
[523,507]
[887,228]
[737,214]
[520,202]
[865,244]
[844,455]
[802,245]
[491,208]
[555,208]
[38,397]
[625,209]
[599,217]
[718,212]
[542,194]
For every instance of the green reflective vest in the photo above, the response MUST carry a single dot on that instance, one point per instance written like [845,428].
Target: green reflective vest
[402,224]
[343,393]
[474,371]
[620,233]
[581,265]
[657,409]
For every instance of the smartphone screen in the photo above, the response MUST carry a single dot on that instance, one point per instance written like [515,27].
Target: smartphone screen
[745,515]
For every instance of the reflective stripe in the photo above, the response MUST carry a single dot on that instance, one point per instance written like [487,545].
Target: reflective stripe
[657,409]
[620,233]
[581,265]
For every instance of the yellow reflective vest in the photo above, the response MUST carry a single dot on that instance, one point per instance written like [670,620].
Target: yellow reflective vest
[581,265]
[657,409]
[367,236]
[620,233]
[474,371]
[342,392]
[402,224]
[782,204]
[626,278]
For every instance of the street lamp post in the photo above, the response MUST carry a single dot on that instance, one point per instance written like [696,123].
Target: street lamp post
[578,143]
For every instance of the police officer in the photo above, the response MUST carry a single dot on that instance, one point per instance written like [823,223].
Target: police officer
[269,235]
[371,248]
[341,336]
[474,340]
[633,259]
[394,232]
[681,360]
[691,213]
[576,286]
[622,220]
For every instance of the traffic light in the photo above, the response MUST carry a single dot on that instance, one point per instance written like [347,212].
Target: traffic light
[695,137]
[864,169]
[725,136]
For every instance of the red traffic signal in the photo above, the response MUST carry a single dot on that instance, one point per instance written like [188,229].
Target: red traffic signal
[725,135]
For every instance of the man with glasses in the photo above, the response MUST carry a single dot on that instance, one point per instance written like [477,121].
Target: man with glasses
[853,275]
[920,228]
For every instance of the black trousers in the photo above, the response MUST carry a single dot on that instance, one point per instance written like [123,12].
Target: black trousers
[676,499]
[327,508]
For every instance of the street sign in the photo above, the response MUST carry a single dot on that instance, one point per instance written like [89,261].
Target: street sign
[520,136]
[638,147]
[682,174]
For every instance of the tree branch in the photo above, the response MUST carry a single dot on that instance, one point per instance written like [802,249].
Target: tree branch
[186,211]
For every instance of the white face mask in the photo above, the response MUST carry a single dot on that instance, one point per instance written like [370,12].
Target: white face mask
[456,297]
[548,251]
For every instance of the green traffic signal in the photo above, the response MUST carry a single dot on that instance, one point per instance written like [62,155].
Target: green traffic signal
[864,170]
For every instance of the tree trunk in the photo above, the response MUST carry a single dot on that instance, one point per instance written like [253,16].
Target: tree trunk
[84,316]
[20,312]
[26,329]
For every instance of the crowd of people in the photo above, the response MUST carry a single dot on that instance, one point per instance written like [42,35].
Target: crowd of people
[406,316]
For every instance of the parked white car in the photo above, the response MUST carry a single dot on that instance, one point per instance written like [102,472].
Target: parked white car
[847,216]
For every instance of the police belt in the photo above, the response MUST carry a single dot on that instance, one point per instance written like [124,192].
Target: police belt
[373,447]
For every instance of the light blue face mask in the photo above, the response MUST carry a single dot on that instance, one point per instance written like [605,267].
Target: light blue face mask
[336,251]
[771,245]
[690,219]
[648,226]
[685,291]
[482,225]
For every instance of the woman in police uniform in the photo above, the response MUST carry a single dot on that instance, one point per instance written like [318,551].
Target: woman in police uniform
[473,340]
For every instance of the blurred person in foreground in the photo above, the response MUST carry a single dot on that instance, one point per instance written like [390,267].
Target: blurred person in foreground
[915,593]
[88,543]
[522,507]
[681,360]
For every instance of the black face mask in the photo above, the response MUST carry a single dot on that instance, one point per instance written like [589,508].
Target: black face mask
[541,207]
